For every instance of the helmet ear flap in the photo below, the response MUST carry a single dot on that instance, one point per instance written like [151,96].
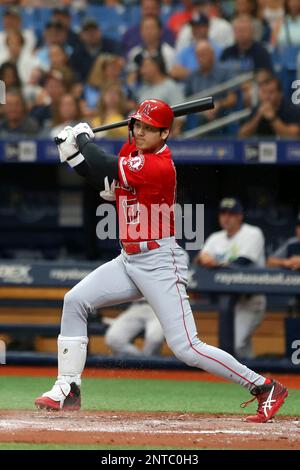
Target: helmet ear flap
[130,129]
[131,124]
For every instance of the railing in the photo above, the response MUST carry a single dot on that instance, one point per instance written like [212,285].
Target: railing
[225,86]
[217,124]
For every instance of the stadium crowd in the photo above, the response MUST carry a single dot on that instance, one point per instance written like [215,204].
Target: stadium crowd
[63,62]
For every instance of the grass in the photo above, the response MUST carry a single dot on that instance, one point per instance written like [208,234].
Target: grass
[142,395]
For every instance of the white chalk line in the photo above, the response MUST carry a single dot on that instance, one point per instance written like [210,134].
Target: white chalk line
[13,425]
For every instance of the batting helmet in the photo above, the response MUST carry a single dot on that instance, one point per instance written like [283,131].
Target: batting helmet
[156,113]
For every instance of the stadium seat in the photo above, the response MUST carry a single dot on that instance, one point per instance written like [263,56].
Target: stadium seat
[113,22]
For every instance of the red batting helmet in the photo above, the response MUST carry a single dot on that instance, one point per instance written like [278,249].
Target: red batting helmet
[156,113]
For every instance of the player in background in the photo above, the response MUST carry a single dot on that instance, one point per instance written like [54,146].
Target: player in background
[137,318]
[151,263]
[238,245]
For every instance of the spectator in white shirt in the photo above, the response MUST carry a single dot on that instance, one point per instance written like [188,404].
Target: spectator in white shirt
[220,30]
[12,20]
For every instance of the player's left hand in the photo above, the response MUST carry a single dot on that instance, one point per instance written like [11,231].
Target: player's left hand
[83,128]
[109,190]
[68,148]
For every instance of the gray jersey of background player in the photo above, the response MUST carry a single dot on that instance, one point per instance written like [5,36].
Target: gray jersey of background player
[288,254]
[138,318]
[242,245]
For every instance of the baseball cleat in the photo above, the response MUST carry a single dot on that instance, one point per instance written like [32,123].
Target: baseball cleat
[270,397]
[62,396]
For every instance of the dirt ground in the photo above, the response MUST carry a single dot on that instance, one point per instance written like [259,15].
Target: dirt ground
[151,429]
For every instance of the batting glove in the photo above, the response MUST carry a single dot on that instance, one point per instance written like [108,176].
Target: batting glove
[109,190]
[83,128]
[68,150]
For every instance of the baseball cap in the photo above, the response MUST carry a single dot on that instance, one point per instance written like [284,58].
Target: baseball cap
[231,204]
[89,23]
[199,20]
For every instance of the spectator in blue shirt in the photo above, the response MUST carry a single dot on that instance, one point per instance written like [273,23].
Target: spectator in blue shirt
[210,73]
[63,15]
[94,43]
[246,55]
[288,254]
[132,36]
[186,60]
[274,115]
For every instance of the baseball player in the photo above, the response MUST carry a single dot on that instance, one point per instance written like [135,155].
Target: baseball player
[151,263]
[238,244]
[137,318]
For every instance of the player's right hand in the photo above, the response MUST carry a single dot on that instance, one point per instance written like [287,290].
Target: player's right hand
[68,148]
[109,190]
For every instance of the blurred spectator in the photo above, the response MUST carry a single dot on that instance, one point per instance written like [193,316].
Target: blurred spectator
[274,115]
[287,30]
[237,245]
[12,20]
[112,108]
[151,35]
[249,89]
[132,37]
[67,113]
[107,69]
[272,11]
[15,120]
[17,53]
[32,89]
[54,34]
[186,59]
[138,318]
[288,254]
[47,100]
[157,84]
[10,76]
[59,61]
[220,30]
[246,54]
[181,17]
[93,44]
[63,16]
[210,73]
[262,30]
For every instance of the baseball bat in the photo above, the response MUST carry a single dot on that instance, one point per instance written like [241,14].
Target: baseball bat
[189,107]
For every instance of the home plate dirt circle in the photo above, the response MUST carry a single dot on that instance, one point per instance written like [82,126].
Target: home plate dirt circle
[154,429]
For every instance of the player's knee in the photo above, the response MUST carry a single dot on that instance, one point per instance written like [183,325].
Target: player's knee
[184,353]
[75,305]
[73,298]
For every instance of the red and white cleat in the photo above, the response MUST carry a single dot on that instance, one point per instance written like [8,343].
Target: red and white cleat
[270,397]
[62,396]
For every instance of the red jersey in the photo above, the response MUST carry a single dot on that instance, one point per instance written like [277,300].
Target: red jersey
[145,194]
